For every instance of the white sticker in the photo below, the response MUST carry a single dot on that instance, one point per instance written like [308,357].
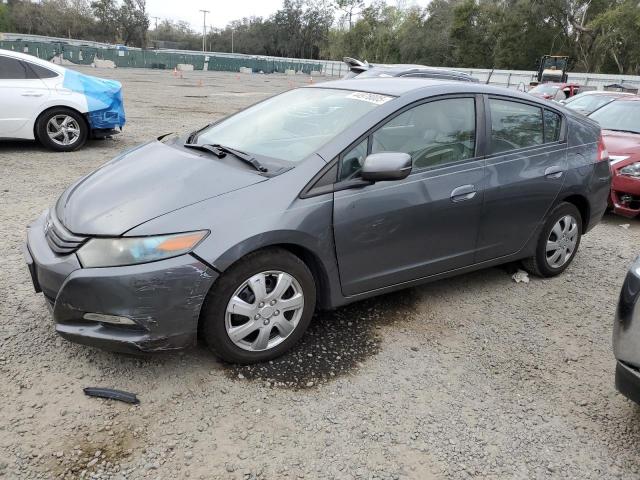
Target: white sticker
[370,97]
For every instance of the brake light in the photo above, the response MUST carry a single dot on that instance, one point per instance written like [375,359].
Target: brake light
[603,154]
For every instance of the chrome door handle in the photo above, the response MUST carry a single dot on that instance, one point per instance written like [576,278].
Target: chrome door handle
[553,172]
[465,192]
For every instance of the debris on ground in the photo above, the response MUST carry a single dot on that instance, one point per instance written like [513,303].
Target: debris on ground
[520,277]
[625,226]
[120,395]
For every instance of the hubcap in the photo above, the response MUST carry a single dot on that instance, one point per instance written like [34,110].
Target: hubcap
[562,241]
[63,130]
[264,310]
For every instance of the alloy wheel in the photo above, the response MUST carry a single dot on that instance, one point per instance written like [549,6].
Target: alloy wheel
[562,241]
[264,310]
[63,130]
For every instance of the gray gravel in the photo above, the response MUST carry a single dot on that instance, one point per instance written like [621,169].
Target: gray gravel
[472,377]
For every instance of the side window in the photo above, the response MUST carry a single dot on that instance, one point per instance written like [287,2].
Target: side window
[13,69]
[434,133]
[352,161]
[41,72]
[552,124]
[514,125]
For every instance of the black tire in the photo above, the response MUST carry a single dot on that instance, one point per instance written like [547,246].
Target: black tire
[539,264]
[43,137]
[213,317]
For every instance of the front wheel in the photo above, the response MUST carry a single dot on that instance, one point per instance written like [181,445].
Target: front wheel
[259,308]
[558,242]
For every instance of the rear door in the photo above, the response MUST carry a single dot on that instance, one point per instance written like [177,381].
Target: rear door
[394,232]
[525,167]
[22,92]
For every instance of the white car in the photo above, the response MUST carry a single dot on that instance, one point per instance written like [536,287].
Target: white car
[57,106]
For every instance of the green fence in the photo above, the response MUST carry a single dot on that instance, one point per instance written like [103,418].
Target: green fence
[155,59]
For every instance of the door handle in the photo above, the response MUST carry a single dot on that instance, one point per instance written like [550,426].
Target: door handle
[463,193]
[553,172]
[31,94]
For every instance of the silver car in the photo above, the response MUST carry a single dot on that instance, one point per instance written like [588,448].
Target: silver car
[315,198]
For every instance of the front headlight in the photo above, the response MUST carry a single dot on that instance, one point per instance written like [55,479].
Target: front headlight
[113,252]
[632,170]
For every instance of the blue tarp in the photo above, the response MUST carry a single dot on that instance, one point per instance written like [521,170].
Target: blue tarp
[104,99]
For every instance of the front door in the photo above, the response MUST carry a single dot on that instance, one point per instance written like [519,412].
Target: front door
[22,93]
[397,231]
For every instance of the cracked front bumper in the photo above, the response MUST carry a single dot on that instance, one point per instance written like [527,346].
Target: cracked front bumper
[163,298]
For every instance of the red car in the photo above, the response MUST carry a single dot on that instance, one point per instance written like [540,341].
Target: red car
[620,121]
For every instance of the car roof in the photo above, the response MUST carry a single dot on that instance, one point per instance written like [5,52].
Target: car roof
[32,59]
[627,98]
[397,87]
[601,92]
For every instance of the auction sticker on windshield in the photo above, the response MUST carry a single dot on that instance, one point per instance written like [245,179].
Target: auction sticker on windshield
[370,97]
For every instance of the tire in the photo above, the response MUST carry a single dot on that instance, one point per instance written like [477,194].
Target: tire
[71,125]
[563,218]
[271,319]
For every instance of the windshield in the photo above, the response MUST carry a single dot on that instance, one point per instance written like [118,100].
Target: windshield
[545,89]
[293,125]
[620,115]
[588,103]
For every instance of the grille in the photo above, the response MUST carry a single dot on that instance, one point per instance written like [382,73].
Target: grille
[61,240]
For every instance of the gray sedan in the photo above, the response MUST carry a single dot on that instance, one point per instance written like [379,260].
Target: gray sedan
[315,198]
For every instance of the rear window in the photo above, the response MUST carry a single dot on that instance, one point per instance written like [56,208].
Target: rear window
[514,125]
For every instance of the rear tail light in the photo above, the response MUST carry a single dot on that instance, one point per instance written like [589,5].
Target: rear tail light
[602,155]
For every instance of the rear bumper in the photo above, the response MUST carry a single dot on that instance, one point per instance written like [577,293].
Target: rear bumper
[163,299]
[628,381]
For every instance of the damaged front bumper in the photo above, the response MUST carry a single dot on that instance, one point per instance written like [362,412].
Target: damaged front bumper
[161,299]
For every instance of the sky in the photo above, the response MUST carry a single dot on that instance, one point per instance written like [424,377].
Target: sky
[221,12]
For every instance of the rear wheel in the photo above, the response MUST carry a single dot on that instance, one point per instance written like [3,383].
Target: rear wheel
[62,129]
[259,308]
[558,242]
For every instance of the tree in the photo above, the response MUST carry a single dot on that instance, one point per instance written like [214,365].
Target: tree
[133,22]
[350,8]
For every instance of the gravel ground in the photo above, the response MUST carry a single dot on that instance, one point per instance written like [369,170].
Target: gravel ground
[476,376]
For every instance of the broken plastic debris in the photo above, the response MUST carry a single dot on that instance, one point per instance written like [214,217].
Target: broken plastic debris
[625,226]
[112,394]
[521,277]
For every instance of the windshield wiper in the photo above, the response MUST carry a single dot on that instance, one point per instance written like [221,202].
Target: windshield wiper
[191,137]
[221,151]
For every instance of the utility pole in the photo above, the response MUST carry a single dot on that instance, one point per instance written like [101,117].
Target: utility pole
[232,40]
[204,28]
[156,19]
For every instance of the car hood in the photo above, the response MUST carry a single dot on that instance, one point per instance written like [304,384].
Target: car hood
[144,183]
[622,144]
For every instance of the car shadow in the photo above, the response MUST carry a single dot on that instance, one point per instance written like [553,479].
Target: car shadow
[335,343]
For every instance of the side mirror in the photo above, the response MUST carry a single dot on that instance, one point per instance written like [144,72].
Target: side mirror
[386,166]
